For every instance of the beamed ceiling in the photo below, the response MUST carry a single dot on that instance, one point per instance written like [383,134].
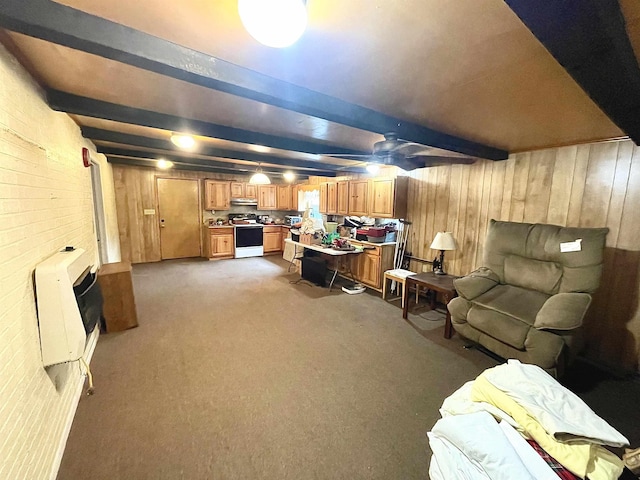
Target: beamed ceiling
[482,78]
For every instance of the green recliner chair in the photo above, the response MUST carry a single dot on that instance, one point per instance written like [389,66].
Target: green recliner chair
[530,297]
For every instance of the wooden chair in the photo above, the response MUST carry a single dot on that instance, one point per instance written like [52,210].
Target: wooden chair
[399,275]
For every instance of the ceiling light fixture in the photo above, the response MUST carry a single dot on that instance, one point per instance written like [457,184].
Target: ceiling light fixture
[274,23]
[164,164]
[181,140]
[373,168]
[289,176]
[259,178]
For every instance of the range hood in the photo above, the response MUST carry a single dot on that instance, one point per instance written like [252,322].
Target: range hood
[244,201]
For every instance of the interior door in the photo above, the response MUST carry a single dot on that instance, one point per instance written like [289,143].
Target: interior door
[179,209]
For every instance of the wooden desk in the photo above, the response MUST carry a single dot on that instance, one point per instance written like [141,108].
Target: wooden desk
[119,307]
[326,251]
[437,283]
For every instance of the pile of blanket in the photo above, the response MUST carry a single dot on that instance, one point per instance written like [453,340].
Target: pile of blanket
[516,421]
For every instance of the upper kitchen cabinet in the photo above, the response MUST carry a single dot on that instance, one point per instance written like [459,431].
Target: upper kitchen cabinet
[329,198]
[389,197]
[343,198]
[267,197]
[359,197]
[243,190]
[217,195]
[323,198]
[285,198]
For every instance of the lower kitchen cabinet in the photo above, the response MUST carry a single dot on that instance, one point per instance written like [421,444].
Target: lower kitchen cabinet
[369,266]
[272,238]
[221,243]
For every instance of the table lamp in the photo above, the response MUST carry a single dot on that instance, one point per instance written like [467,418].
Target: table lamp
[443,241]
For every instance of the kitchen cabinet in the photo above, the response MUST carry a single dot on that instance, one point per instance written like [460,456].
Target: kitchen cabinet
[389,197]
[267,197]
[217,195]
[329,198]
[332,198]
[323,197]
[221,242]
[369,266]
[272,238]
[243,190]
[250,191]
[343,198]
[358,197]
[285,199]
[237,190]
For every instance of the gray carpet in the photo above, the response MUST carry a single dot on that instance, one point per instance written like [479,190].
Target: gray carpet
[236,373]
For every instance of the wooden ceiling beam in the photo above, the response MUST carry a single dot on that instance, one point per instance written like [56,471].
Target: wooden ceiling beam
[149,163]
[98,134]
[89,107]
[589,39]
[232,167]
[75,29]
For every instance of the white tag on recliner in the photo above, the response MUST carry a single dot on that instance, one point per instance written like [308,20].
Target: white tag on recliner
[574,246]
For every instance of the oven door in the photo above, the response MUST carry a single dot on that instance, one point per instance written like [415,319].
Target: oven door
[248,236]
[249,241]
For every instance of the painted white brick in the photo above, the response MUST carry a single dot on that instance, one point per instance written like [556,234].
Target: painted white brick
[45,204]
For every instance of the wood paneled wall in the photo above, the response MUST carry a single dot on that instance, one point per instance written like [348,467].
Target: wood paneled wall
[582,186]
[136,192]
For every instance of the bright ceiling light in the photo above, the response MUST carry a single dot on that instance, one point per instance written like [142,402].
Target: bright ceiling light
[259,148]
[274,23]
[259,178]
[181,140]
[164,164]
[289,176]
[373,168]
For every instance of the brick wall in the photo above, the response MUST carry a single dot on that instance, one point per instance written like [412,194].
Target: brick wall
[45,204]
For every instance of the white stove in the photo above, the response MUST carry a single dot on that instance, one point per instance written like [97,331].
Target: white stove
[248,238]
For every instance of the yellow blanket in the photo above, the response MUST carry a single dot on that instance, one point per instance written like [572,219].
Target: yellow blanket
[582,458]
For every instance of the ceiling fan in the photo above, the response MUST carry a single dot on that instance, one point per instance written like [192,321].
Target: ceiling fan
[408,155]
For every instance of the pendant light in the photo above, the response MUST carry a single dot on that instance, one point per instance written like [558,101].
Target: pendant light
[274,23]
[259,178]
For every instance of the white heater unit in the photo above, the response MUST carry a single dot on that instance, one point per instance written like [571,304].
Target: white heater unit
[62,332]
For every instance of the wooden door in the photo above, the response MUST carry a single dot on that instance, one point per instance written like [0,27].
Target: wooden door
[343,198]
[358,191]
[332,198]
[179,209]
[382,197]
[217,195]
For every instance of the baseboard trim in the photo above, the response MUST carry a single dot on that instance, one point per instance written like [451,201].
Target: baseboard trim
[88,353]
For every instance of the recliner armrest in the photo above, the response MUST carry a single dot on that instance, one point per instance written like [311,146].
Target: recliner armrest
[563,311]
[476,283]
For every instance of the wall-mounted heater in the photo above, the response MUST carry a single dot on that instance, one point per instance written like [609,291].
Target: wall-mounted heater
[69,305]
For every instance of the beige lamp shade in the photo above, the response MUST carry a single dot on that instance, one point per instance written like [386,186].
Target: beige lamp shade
[444,241]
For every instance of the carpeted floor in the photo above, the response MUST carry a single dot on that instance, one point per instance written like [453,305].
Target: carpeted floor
[236,373]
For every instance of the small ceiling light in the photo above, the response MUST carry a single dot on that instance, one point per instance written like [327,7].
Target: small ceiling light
[164,164]
[274,23]
[259,178]
[180,140]
[373,168]
[289,176]
[259,148]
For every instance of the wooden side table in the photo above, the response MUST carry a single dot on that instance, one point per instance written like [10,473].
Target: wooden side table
[437,283]
[119,308]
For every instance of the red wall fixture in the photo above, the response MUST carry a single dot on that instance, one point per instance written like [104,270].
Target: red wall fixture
[86,157]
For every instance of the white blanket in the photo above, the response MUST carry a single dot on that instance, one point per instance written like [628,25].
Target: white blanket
[473,447]
[562,413]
